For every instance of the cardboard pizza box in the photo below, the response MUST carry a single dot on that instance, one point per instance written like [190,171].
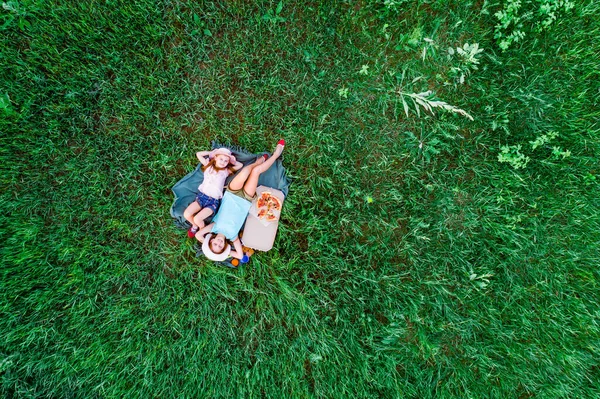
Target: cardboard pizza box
[258,233]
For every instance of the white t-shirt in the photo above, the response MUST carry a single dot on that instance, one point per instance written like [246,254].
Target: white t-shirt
[213,183]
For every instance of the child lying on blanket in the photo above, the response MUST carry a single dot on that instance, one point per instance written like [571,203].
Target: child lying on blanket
[234,210]
[217,166]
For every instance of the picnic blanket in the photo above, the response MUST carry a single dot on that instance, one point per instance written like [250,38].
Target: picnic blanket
[185,189]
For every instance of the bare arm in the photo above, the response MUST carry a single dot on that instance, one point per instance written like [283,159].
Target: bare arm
[203,231]
[203,157]
[237,252]
[238,165]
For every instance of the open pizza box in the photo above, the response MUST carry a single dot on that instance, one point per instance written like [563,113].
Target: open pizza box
[263,219]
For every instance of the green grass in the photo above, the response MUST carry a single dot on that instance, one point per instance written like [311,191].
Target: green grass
[399,270]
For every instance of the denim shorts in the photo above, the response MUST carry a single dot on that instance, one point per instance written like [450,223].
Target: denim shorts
[208,202]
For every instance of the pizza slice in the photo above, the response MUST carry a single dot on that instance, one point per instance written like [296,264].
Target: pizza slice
[262,213]
[271,217]
[275,203]
[266,195]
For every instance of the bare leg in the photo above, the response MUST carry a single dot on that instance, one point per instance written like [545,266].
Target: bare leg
[252,181]
[238,181]
[200,216]
[190,211]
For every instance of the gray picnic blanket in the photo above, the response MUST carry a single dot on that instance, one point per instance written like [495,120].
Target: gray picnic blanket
[185,189]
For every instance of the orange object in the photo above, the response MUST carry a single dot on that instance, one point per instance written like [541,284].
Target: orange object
[235,262]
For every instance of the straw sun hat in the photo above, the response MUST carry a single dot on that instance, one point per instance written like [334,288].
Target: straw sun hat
[223,151]
[210,254]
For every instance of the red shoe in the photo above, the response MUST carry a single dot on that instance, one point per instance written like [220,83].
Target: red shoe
[282,142]
[192,232]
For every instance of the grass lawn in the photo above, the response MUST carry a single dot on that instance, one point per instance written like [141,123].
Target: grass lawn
[419,255]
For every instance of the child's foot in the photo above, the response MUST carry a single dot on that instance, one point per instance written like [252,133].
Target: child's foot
[192,231]
[261,159]
[279,148]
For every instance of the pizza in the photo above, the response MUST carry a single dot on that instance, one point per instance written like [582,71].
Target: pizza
[264,199]
[262,213]
[268,206]
[270,216]
[275,203]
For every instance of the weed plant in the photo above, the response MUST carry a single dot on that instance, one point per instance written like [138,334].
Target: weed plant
[409,263]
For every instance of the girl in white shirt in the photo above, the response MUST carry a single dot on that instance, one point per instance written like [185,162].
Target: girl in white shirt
[217,166]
